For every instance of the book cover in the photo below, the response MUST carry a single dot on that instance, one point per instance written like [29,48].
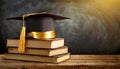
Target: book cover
[52,59]
[40,51]
[36,43]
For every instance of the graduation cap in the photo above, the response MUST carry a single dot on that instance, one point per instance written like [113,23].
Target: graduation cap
[38,26]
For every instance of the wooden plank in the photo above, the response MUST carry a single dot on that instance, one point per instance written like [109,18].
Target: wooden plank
[113,60]
[67,63]
[95,57]
[91,62]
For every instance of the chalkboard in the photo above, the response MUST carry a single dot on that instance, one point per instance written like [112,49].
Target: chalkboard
[94,27]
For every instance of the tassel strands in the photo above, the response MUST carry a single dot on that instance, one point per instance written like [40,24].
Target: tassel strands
[21,47]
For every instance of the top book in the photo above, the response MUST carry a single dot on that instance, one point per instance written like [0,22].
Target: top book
[36,43]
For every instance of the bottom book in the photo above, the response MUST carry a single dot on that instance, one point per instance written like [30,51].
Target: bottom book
[36,58]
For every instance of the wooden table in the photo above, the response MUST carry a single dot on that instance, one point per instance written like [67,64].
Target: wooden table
[75,62]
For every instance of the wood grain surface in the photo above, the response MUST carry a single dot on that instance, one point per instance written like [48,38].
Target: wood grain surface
[75,62]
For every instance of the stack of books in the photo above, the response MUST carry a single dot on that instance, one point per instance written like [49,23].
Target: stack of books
[50,50]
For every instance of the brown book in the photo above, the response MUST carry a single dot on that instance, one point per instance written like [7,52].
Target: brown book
[36,43]
[52,59]
[40,51]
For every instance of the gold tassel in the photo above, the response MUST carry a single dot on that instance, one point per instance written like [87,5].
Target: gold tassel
[21,47]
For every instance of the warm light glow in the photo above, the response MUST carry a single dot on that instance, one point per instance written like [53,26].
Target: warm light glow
[108,3]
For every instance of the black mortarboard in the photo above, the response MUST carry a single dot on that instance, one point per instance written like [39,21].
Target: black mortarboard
[38,26]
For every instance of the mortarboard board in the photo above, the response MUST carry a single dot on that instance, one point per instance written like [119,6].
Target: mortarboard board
[38,26]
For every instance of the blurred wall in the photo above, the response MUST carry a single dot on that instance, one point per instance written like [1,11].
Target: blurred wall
[94,27]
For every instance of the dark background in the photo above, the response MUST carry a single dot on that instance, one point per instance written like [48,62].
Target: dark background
[94,27]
